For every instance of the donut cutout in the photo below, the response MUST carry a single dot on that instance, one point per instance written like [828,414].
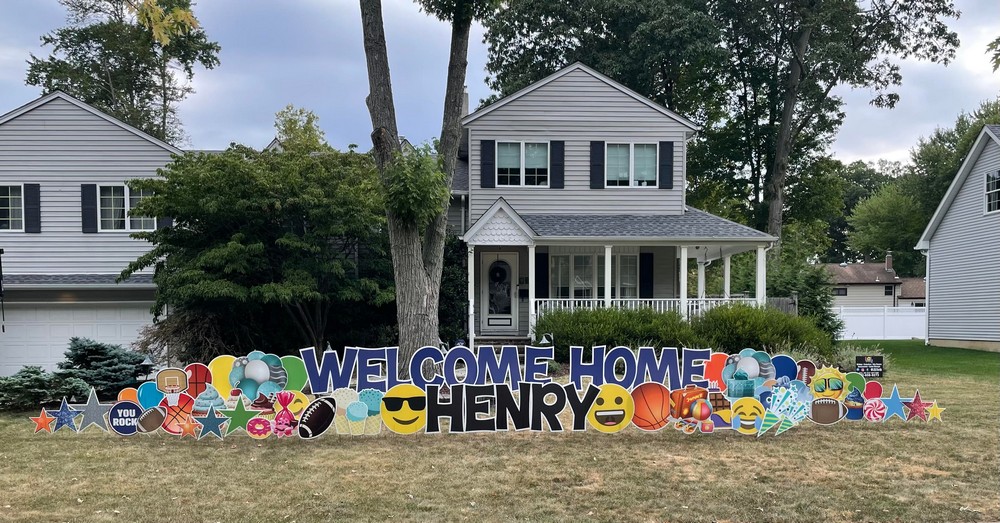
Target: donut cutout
[259,428]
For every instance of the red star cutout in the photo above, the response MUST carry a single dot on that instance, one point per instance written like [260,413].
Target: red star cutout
[918,408]
[188,427]
[43,422]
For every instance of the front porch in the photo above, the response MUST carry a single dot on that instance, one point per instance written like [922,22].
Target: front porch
[687,308]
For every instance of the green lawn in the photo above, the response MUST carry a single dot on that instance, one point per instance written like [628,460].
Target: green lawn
[852,471]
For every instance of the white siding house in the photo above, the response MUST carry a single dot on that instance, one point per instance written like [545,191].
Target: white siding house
[571,194]
[64,228]
[865,284]
[962,244]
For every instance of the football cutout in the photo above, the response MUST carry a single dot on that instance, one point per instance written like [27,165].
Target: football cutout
[151,419]
[827,411]
[317,418]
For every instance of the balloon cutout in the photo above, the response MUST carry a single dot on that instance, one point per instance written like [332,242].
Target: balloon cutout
[855,381]
[295,369]
[784,367]
[148,395]
[873,390]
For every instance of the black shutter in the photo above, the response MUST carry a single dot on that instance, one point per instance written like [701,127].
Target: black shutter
[557,163]
[487,164]
[645,275]
[32,208]
[666,165]
[88,207]
[163,223]
[541,275]
[596,165]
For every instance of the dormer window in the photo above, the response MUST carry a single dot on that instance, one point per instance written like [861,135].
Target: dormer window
[631,165]
[993,191]
[522,163]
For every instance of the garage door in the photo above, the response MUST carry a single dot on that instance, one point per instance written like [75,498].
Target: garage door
[38,334]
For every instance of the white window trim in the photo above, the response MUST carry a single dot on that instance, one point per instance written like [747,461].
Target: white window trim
[22,207]
[987,193]
[128,211]
[521,145]
[631,166]
[598,274]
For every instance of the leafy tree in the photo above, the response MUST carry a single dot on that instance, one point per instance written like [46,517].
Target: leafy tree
[889,221]
[107,368]
[416,193]
[665,49]
[110,58]
[275,228]
[861,180]
[994,49]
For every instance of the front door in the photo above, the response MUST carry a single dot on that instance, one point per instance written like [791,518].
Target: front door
[499,292]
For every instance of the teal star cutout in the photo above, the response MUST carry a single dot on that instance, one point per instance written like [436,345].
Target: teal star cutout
[211,423]
[894,406]
[238,417]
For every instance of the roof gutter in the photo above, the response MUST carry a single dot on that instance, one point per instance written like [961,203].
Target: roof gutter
[79,286]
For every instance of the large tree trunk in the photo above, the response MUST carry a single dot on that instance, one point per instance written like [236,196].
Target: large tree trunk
[417,258]
[783,146]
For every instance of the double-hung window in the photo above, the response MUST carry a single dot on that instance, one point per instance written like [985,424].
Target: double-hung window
[581,276]
[11,208]
[115,209]
[993,191]
[522,163]
[630,165]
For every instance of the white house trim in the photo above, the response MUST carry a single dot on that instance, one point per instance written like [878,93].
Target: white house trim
[500,225]
[955,187]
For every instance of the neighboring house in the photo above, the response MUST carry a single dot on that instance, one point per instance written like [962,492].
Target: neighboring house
[962,245]
[912,293]
[65,225]
[865,284]
[571,194]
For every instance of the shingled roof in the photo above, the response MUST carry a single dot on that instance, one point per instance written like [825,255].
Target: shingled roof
[138,280]
[693,224]
[913,288]
[856,273]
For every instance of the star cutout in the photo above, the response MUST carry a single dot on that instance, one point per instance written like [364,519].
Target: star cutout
[239,417]
[65,416]
[211,424]
[93,412]
[188,427]
[918,408]
[935,412]
[44,422]
[894,406]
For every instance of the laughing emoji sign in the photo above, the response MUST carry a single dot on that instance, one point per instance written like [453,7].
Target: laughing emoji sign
[612,410]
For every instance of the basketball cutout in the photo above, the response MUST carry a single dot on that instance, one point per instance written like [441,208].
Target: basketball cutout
[198,378]
[176,413]
[652,406]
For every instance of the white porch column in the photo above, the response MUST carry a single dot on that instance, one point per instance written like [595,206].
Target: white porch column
[607,276]
[761,275]
[726,266]
[683,267]
[472,296]
[701,280]
[531,290]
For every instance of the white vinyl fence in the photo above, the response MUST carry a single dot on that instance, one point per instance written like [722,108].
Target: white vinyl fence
[883,323]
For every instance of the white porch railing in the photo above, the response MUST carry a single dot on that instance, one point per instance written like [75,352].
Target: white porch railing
[695,306]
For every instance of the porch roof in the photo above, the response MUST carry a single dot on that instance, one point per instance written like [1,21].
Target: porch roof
[28,281]
[692,225]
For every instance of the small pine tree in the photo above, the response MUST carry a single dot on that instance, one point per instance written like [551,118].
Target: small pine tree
[816,299]
[32,388]
[107,368]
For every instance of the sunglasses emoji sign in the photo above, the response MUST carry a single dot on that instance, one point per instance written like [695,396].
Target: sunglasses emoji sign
[829,382]
[404,409]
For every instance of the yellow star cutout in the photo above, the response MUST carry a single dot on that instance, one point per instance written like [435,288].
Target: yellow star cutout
[935,412]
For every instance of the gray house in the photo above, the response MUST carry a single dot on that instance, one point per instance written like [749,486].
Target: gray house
[570,194]
[65,225]
[962,244]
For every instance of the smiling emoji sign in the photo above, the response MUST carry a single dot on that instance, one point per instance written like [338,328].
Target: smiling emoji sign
[612,410]
[404,409]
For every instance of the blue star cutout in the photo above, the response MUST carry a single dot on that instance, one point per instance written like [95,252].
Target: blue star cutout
[894,406]
[211,424]
[65,416]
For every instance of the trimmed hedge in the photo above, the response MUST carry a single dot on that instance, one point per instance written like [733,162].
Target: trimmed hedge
[613,327]
[729,328]
[732,328]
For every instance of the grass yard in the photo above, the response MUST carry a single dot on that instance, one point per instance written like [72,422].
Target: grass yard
[852,471]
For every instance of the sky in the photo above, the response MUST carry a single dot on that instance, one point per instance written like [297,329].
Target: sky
[309,53]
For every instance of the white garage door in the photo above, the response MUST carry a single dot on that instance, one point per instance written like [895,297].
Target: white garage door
[38,334]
